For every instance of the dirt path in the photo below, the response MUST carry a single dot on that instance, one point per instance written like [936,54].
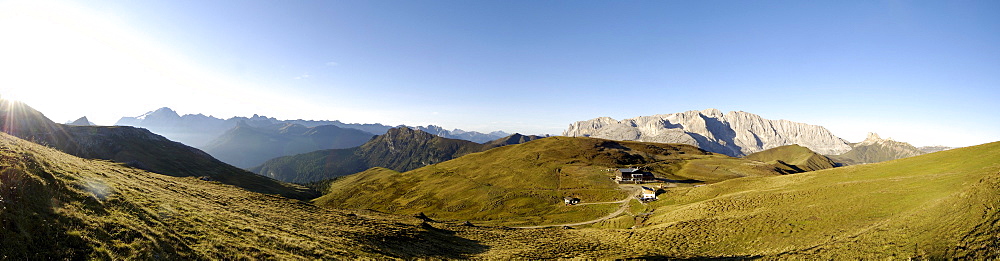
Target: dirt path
[636,190]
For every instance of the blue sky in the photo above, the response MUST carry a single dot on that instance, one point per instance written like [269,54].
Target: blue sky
[918,71]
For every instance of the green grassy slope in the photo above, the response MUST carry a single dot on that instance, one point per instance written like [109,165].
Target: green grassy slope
[57,206]
[793,159]
[400,149]
[524,184]
[938,205]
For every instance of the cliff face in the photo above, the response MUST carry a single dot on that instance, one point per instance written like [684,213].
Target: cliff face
[735,133]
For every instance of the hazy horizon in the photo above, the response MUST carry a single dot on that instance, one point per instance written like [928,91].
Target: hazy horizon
[923,73]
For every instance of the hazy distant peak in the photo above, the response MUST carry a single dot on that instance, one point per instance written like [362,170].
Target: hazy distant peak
[501,133]
[935,148]
[163,112]
[82,121]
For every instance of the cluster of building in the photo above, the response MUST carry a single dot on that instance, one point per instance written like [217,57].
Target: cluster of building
[628,176]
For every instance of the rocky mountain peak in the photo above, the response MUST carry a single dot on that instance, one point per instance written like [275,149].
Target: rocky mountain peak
[874,138]
[712,112]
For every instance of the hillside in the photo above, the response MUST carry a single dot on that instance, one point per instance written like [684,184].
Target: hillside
[524,184]
[935,206]
[735,133]
[57,206]
[137,148]
[400,149]
[246,146]
[793,159]
[876,149]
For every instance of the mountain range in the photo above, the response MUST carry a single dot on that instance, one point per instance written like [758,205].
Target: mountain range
[400,149]
[247,146]
[199,130]
[735,133]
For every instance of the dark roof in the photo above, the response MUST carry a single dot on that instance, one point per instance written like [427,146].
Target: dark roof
[628,170]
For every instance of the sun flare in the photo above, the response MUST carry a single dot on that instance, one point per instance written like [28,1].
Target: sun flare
[57,55]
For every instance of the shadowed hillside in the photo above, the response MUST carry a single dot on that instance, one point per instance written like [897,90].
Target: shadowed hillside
[793,159]
[137,148]
[400,149]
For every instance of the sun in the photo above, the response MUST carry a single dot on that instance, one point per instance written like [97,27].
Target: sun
[67,60]
[56,53]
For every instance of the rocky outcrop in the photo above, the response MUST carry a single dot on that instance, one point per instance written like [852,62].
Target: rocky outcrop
[735,133]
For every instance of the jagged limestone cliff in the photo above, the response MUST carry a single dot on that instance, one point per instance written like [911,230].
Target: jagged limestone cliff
[735,133]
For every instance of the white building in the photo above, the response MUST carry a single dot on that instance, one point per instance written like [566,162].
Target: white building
[648,193]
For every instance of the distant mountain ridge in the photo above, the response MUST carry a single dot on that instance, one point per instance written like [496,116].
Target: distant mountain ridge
[936,148]
[247,146]
[199,130]
[735,133]
[399,149]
